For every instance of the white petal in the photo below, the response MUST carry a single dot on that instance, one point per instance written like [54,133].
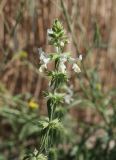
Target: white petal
[80,57]
[41,69]
[49,31]
[63,58]
[68,99]
[76,68]
[41,53]
[46,60]
[62,44]
[62,67]
[43,66]
[43,57]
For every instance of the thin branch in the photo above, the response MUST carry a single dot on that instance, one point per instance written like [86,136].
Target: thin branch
[69,25]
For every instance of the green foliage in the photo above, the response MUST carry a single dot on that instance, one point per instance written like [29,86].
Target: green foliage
[18,121]
[35,156]
[53,101]
[51,132]
[52,154]
[57,79]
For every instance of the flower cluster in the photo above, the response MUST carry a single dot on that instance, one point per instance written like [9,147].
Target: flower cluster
[61,60]
[58,38]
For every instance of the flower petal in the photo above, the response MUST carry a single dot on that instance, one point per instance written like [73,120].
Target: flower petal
[80,57]
[76,68]
[62,67]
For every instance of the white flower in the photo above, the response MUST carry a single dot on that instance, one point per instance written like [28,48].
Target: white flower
[44,60]
[62,67]
[43,56]
[42,67]
[49,31]
[62,44]
[76,68]
[80,57]
[63,58]
[72,60]
[68,97]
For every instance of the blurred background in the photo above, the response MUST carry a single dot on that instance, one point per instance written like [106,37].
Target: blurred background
[91,28]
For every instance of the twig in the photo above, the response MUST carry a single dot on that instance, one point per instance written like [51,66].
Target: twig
[69,25]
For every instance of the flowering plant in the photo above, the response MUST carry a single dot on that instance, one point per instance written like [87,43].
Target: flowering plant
[51,126]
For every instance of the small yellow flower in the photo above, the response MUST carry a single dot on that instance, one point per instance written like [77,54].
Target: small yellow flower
[21,55]
[98,86]
[32,104]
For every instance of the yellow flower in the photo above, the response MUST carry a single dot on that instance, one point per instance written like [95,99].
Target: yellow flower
[98,86]
[32,104]
[21,55]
